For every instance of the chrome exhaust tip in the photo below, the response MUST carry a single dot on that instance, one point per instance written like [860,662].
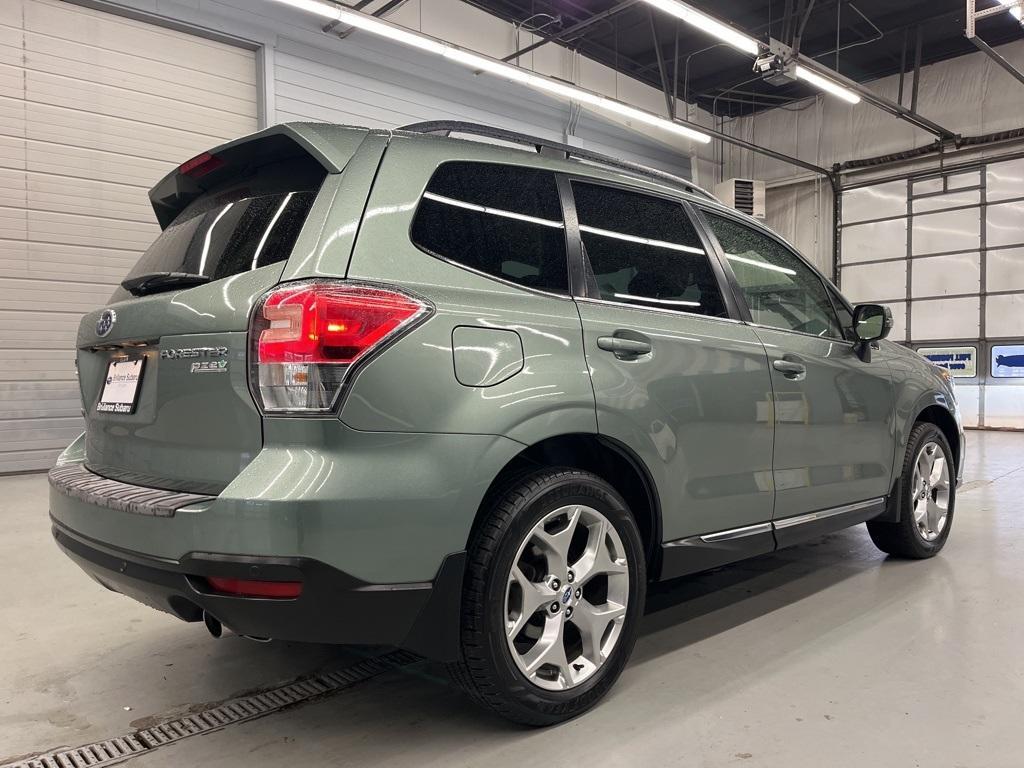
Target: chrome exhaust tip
[213,624]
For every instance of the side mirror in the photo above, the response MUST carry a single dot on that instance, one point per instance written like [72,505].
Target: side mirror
[871,322]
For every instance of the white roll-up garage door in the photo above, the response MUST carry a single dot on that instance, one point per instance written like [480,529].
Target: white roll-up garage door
[945,250]
[94,108]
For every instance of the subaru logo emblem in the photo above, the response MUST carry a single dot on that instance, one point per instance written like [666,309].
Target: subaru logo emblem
[567,596]
[106,322]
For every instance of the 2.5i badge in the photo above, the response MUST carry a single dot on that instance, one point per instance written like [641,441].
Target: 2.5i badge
[209,366]
[211,358]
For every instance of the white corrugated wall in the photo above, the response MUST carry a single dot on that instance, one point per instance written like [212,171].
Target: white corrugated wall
[94,108]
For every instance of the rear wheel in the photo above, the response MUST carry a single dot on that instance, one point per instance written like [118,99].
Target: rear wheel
[554,593]
[927,498]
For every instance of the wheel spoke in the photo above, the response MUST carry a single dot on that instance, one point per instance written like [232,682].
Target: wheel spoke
[924,465]
[938,470]
[549,650]
[534,597]
[596,558]
[556,545]
[934,515]
[592,622]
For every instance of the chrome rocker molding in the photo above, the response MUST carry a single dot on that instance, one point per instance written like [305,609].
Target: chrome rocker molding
[788,522]
[710,550]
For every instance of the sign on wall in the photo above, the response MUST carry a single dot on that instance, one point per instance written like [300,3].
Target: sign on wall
[962,362]
[1008,361]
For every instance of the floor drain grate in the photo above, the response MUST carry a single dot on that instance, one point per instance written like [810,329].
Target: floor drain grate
[111,751]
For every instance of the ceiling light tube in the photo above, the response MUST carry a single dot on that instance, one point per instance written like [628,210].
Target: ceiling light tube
[492,66]
[708,24]
[825,84]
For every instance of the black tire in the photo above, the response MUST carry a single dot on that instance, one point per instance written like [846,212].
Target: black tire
[904,538]
[486,669]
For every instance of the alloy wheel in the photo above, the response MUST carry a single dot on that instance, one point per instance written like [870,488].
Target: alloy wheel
[566,598]
[930,490]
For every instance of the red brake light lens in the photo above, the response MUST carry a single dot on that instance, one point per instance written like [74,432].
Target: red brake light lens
[254,588]
[200,165]
[330,324]
[307,335]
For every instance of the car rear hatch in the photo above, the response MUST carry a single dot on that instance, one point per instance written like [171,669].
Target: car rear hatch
[162,369]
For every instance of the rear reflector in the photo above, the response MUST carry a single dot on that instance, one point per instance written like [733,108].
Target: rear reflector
[305,337]
[200,165]
[253,588]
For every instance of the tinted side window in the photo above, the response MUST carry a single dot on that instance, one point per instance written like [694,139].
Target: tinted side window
[780,289]
[503,220]
[644,250]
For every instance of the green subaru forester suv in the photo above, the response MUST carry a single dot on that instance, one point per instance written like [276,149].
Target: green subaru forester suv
[468,397]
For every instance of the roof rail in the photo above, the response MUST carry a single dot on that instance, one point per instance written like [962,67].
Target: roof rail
[448,127]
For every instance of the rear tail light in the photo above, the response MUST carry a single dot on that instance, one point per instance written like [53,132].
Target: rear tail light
[306,337]
[255,588]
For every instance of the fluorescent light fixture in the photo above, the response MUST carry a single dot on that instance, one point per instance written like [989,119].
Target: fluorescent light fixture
[708,24]
[761,264]
[826,85]
[491,66]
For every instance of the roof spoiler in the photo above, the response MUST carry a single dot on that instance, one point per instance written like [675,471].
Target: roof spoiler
[330,145]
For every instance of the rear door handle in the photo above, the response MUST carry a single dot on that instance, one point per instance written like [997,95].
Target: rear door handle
[624,348]
[790,369]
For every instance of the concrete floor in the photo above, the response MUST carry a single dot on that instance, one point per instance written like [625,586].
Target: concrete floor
[824,654]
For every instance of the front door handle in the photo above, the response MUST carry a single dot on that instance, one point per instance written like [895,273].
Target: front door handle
[790,369]
[624,348]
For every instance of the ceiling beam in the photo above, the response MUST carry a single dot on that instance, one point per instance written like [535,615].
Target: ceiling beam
[568,32]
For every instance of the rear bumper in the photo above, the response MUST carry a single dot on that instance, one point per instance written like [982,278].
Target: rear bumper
[334,607]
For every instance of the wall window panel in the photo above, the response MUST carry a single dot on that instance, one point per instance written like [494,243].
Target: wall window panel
[948,200]
[1004,316]
[1005,270]
[1005,180]
[871,242]
[946,231]
[946,275]
[876,202]
[1005,224]
[945,319]
[881,282]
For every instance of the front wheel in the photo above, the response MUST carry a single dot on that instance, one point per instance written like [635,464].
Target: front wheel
[554,593]
[928,496]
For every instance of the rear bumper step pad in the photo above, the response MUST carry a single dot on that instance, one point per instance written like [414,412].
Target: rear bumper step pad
[76,481]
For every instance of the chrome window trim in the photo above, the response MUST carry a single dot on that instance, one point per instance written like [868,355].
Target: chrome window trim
[658,310]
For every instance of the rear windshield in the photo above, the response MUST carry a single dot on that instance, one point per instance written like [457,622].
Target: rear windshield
[248,218]
[220,238]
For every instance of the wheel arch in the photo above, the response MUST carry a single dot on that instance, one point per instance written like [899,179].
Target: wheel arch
[930,410]
[607,458]
[946,422]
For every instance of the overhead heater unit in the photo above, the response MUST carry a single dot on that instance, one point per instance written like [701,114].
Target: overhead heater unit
[745,195]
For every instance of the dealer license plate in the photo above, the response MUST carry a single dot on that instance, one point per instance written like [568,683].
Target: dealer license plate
[121,387]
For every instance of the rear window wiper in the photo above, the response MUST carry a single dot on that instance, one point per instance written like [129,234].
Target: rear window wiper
[154,282]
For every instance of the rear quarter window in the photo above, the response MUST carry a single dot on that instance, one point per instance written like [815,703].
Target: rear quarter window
[502,220]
